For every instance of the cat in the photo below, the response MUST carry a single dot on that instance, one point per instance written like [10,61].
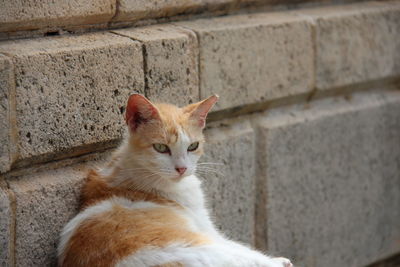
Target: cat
[146,206]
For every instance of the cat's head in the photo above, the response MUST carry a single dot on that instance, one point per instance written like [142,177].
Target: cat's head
[166,140]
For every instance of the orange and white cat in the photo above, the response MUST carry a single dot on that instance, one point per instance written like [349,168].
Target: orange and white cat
[146,207]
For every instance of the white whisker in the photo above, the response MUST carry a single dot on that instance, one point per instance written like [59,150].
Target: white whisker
[210,163]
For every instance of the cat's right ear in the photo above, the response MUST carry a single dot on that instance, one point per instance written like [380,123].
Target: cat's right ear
[198,111]
[140,110]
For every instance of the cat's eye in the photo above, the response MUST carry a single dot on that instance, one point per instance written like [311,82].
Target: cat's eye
[161,148]
[193,146]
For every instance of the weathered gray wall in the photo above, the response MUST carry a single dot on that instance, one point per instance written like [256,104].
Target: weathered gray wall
[306,135]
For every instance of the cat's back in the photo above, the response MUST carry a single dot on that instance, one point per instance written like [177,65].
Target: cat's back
[117,223]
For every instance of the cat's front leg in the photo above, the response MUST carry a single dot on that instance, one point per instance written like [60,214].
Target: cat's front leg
[283,262]
[266,261]
[255,258]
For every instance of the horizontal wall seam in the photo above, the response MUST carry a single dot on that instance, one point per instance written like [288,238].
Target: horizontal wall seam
[110,24]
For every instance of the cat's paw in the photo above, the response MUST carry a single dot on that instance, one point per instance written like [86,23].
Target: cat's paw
[282,262]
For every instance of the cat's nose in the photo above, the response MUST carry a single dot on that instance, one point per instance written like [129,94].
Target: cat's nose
[180,170]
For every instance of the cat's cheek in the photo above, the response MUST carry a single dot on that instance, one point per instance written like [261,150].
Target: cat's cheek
[197,153]
[194,158]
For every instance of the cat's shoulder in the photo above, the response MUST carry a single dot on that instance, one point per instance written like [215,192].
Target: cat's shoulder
[96,189]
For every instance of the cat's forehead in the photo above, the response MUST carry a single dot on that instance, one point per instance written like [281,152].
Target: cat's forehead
[176,124]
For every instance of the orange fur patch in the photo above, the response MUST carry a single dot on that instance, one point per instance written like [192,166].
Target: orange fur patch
[105,239]
[174,117]
[96,190]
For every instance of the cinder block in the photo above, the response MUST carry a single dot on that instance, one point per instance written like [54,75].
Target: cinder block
[133,10]
[331,181]
[45,202]
[356,43]
[5,229]
[29,14]
[71,92]
[254,58]
[6,86]
[171,62]
[228,177]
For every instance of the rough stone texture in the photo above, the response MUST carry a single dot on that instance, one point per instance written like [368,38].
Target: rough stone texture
[229,180]
[71,91]
[132,10]
[253,58]
[5,228]
[332,181]
[26,15]
[171,65]
[356,43]
[45,202]
[29,14]
[5,88]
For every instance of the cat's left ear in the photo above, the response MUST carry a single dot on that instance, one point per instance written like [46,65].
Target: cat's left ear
[198,111]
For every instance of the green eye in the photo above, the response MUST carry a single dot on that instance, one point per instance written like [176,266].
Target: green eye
[193,146]
[161,148]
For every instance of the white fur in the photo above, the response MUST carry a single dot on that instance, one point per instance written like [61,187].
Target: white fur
[188,193]
[181,157]
[214,255]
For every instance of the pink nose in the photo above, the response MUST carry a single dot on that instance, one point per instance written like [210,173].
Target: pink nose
[180,170]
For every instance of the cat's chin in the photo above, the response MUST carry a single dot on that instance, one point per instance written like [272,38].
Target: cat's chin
[177,179]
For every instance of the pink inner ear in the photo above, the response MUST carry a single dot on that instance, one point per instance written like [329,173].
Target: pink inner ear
[200,113]
[139,110]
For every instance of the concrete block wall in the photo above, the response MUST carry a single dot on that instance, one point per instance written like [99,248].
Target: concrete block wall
[47,16]
[332,180]
[305,140]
